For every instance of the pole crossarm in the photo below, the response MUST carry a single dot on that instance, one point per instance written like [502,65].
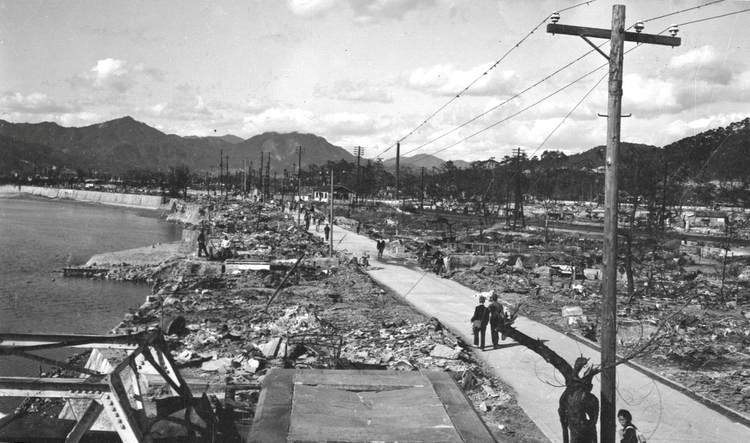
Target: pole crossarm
[637,37]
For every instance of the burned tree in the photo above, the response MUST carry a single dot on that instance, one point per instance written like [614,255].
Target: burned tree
[579,408]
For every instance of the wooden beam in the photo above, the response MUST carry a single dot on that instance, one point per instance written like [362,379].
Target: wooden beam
[636,37]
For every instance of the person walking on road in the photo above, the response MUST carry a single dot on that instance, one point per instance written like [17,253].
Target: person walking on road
[307,221]
[381,248]
[629,432]
[202,243]
[439,264]
[327,231]
[497,317]
[479,323]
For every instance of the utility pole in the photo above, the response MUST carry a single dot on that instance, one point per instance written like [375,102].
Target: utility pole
[330,221]
[358,152]
[260,177]
[267,194]
[518,205]
[421,196]
[299,182]
[398,155]
[228,177]
[221,171]
[617,37]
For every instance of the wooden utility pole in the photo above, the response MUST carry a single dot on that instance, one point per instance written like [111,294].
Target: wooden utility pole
[518,204]
[617,37]
[421,196]
[358,152]
[267,194]
[330,221]
[299,183]
[398,167]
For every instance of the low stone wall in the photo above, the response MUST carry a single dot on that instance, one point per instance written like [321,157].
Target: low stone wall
[108,198]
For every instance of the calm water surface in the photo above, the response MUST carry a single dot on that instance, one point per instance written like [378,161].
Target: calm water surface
[40,237]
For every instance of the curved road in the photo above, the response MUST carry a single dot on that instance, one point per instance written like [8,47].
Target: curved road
[662,411]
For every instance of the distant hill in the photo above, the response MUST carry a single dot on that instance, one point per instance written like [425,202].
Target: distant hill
[124,144]
[596,157]
[229,138]
[420,160]
[717,154]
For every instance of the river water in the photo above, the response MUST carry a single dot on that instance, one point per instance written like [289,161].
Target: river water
[38,237]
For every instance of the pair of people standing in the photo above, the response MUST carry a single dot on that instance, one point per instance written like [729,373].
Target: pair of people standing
[381,247]
[492,315]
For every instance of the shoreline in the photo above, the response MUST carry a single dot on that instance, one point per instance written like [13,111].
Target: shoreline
[150,202]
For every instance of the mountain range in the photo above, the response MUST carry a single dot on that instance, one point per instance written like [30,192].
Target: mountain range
[124,144]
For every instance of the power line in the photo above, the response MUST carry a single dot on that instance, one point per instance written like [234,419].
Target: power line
[714,17]
[505,102]
[681,11]
[494,65]
[553,74]
[522,110]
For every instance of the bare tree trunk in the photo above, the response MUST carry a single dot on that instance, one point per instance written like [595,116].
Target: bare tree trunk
[578,408]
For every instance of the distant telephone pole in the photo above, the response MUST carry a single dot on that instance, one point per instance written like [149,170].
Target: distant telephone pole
[617,37]
[358,152]
[421,195]
[518,205]
[398,167]
[267,194]
[299,149]
[221,170]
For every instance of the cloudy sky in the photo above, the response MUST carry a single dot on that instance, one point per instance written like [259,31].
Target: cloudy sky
[461,79]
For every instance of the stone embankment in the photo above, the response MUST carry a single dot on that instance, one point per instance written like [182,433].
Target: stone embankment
[154,202]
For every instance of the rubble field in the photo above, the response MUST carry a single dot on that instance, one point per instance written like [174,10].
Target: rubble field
[230,327]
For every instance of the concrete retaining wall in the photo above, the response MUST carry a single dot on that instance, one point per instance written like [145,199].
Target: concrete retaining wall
[107,198]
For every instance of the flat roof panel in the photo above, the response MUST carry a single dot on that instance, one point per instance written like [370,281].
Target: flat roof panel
[365,406]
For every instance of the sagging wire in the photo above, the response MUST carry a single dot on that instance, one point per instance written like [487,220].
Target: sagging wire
[494,65]
[546,78]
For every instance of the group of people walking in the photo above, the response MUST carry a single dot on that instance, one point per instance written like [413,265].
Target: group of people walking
[492,316]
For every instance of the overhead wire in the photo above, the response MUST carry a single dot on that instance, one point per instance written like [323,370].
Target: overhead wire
[494,65]
[500,104]
[513,115]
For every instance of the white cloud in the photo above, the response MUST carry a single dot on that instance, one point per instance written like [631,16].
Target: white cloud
[366,11]
[349,124]
[645,96]
[112,75]
[312,7]
[373,11]
[353,91]
[449,81]
[280,120]
[703,64]
[34,103]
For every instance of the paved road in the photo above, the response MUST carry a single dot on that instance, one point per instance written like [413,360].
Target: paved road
[663,413]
